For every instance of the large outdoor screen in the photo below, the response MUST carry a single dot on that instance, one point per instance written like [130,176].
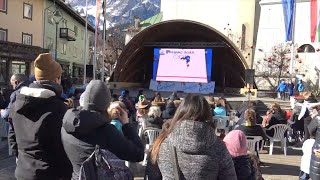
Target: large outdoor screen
[182,65]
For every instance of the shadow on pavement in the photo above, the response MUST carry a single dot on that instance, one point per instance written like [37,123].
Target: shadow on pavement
[280,169]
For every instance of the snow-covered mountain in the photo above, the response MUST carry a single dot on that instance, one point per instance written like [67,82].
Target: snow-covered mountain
[118,11]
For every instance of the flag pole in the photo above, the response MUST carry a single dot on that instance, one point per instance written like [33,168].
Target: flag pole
[104,38]
[95,51]
[85,47]
[292,42]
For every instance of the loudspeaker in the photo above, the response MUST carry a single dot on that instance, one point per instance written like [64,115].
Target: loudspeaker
[250,76]
[89,71]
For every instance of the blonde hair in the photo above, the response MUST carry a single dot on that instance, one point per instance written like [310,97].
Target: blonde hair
[250,116]
[113,112]
[154,111]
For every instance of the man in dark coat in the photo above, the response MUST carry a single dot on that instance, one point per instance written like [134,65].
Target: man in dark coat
[88,126]
[37,117]
[17,81]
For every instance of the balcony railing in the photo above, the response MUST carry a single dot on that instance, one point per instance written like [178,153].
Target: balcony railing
[67,34]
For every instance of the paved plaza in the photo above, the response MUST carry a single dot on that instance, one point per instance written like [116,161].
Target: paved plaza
[276,167]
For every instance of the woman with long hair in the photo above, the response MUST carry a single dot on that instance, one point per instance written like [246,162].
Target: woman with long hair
[200,154]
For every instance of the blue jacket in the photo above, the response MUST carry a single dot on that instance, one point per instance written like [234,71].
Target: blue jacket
[300,87]
[220,111]
[282,87]
[117,123]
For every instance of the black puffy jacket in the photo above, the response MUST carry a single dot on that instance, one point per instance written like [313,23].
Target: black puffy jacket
[244,168]
[36,118]
[82,130]
[314,129]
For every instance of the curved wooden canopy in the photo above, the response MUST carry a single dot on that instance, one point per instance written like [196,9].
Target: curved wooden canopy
[135,63]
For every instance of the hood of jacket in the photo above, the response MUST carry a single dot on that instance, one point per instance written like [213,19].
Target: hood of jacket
[96,97]
[22,84]
[193,136]
[81,122]
[31,100]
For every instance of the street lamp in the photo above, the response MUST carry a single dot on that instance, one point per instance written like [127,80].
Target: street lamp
[57,17]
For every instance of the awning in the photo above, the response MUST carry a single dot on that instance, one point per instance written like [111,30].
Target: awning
[20,52]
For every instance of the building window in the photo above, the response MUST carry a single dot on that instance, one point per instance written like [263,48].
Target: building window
[64,23]
[50,17]
[306,48]
[3,6]
[27,39]
[19,67]
[76,31]
[49,43]
[27,11]
[63,48]
[3,34]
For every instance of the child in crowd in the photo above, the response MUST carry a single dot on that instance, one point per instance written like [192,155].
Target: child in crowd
[220,109]
[236,143]
[114,113]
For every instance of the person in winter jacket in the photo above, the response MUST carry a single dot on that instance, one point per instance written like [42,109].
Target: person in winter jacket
[250,127]
[220,110]
[36,117]
[282,88]
[129,103]
[200,154]
[290,88]
[245,106]
[88,126]
[314,129]
[300,86]
[17,81]
[305,115]
[154,117]
[113,112]
[277,116]
[236,142]
[168,113]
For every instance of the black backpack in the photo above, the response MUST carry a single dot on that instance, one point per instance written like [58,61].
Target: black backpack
[104,165]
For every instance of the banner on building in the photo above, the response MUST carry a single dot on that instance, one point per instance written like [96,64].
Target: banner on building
[288,12]
[201,88]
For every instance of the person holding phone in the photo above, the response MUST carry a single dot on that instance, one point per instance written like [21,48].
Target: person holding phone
[85,127]
[115,113]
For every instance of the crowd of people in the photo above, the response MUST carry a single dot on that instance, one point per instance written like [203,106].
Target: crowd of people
[290,88]
[53,136]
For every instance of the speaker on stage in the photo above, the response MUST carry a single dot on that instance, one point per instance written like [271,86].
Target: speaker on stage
[250,76]
[89,71]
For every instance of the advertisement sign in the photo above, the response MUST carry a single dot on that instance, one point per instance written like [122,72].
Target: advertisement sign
[201,88]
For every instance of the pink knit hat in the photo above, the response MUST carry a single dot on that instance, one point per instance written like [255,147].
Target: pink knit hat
[236,142]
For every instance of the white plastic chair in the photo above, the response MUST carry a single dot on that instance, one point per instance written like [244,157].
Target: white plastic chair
[152,134]
[253,143]
[278,136]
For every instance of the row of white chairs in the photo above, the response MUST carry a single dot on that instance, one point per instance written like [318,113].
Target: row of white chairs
[253,142]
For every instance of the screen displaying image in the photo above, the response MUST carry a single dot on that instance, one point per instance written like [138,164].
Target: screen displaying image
[182,65]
